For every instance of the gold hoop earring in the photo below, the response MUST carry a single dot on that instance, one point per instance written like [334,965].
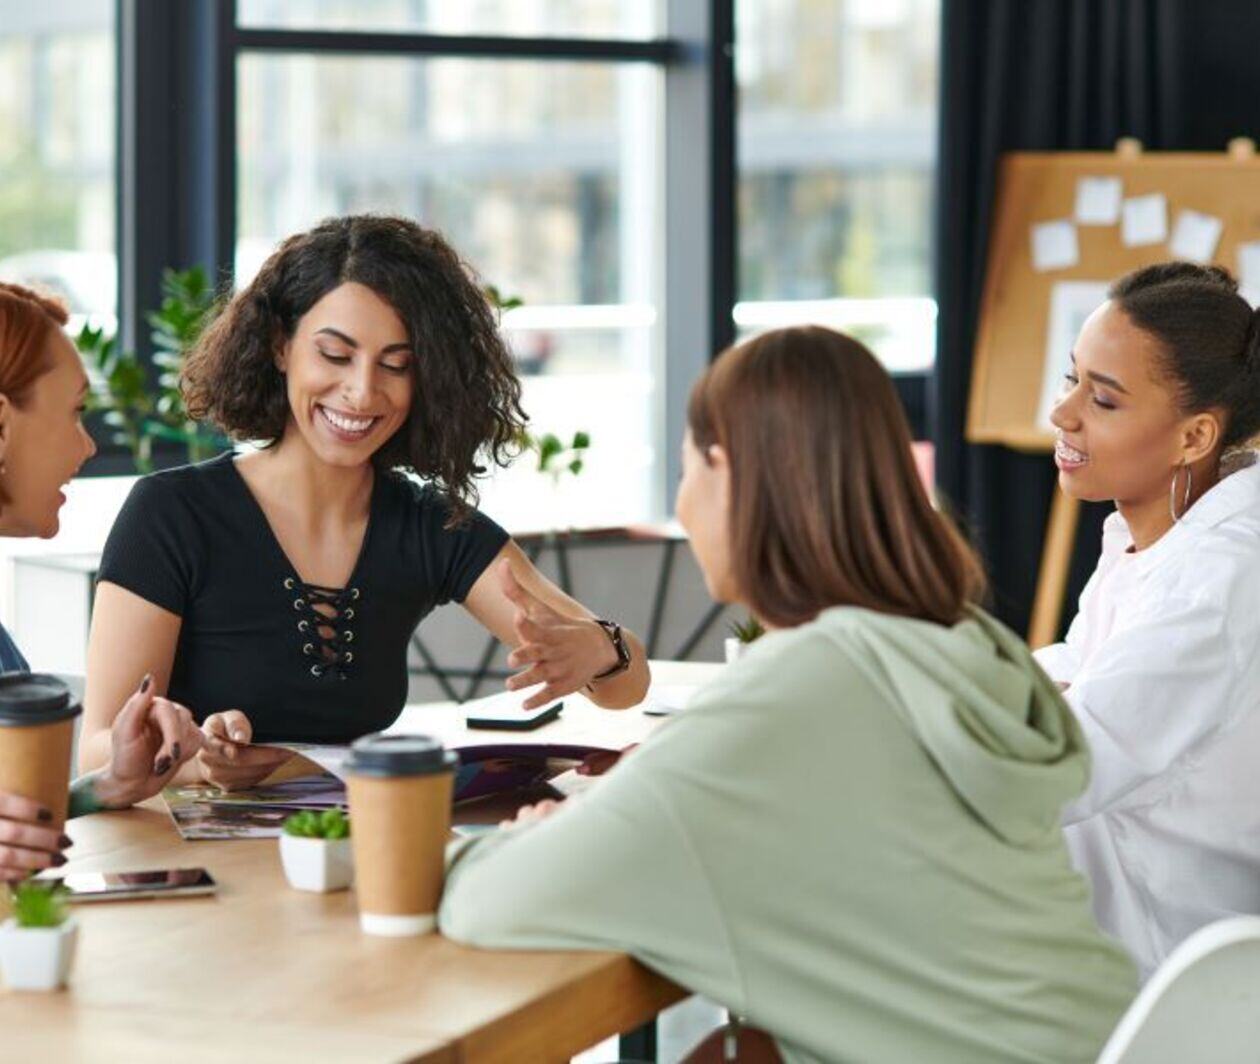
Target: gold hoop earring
[1185,496]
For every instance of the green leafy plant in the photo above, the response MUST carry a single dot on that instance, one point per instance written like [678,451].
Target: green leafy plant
[188,304]
[555,457]
[135,411]
[308,824]
[120,392]
[35,903]
[747,631]
[501,302]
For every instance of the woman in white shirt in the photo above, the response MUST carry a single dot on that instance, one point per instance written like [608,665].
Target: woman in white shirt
[1162,663]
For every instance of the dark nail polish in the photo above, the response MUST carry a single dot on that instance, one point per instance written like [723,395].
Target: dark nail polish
[65,842]
[45,815]
[175,750]
[146,682]
[59,859]
[162,767]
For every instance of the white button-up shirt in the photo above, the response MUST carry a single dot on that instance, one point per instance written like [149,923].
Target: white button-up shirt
[1163,660]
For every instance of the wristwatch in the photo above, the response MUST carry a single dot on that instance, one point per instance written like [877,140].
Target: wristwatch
[613,630]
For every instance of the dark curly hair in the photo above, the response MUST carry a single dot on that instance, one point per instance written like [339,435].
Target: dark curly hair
[466,395]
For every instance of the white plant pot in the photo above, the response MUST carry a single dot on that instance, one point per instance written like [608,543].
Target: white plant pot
[37,958]
[734,649]
[320,865]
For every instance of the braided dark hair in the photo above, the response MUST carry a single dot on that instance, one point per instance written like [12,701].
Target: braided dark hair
[1209,338]
[466,397]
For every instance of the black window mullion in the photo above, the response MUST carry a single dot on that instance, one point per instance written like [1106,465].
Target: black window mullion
[339,42]
[210,103]
[723,176]
[175,168]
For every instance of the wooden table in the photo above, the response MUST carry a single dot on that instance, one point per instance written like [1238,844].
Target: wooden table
[260,972]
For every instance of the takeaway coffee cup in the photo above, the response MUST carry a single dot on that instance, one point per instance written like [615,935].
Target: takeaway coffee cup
[400,814]
[36,732]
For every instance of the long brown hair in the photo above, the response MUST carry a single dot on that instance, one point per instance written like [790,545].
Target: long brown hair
[827,508]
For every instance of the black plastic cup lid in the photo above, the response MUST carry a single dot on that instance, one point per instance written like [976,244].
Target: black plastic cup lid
[35,698]
[399,755]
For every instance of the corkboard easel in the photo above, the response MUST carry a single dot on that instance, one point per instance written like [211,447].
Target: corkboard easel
[1010,350]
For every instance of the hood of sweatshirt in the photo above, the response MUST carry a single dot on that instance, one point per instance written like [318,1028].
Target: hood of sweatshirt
[993,722]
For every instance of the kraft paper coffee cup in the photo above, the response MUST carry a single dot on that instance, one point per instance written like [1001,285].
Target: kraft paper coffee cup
[36,733]
[400,816]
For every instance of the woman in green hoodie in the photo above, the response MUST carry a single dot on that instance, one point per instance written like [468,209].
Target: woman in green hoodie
[852,838]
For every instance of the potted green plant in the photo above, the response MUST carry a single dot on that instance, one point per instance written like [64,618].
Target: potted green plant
[315,851]
[557,460]
[37,941]
[188,303]
[742,633]
[122,393]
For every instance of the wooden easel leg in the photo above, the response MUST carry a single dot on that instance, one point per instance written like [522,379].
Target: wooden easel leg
[1056,559]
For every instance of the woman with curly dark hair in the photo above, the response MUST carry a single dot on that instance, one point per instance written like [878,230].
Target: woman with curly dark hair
[275,592]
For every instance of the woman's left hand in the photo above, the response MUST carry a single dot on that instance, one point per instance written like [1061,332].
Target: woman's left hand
[562,653]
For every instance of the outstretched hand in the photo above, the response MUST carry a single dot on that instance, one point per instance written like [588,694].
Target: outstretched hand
[562,653]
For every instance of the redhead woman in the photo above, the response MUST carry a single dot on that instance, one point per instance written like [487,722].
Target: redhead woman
[1161,662]
[42,446]
[852,838]
[275,592]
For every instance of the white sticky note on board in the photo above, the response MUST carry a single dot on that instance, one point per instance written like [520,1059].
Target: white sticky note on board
[1054,246]
[1071,302]
[1098,200]
[1249,271]
[1144,220]
[1195,236]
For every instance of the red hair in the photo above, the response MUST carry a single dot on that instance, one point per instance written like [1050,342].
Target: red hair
[26,320]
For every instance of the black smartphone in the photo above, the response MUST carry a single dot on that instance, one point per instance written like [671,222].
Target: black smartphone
[124,886]
[513,719]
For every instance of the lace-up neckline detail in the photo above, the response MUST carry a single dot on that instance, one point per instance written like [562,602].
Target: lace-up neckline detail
[324,617]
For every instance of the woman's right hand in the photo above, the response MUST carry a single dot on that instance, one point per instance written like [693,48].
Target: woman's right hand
[227,760]
[27,843]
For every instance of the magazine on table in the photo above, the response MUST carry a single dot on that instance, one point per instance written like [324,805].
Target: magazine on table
[204,812]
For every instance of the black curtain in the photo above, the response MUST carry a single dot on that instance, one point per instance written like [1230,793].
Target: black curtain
[1056,75]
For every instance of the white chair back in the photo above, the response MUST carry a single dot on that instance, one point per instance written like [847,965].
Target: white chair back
[1201,1007]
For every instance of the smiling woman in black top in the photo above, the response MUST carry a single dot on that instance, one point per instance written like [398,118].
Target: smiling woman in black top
[275,592]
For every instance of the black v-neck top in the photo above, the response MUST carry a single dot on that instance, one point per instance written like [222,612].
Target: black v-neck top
[194,541]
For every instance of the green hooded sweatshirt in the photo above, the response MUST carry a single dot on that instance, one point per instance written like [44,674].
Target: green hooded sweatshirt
[851,839]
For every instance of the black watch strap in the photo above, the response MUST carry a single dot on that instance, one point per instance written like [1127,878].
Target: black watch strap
[613,630]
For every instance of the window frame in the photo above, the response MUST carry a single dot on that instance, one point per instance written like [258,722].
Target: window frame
[176,177]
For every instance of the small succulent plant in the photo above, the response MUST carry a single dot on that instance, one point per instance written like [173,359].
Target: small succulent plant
[308,824]
[747,631]
[36,903]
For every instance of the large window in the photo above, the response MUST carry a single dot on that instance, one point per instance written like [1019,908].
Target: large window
[578,153]
[544,174]
[57,186]
[837,118]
